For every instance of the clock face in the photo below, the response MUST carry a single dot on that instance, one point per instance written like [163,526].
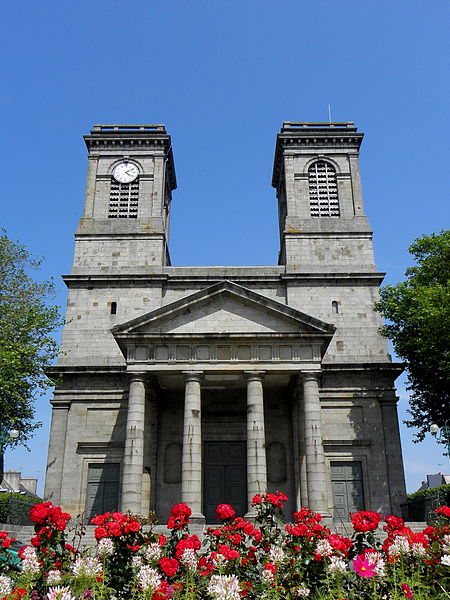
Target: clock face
[125,172]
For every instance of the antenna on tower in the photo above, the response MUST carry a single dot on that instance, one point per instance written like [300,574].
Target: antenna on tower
[329,113]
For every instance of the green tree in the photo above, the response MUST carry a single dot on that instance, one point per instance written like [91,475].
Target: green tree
[27,347]
[418,314]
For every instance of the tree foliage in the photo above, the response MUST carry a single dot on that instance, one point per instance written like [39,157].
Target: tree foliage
[418,313]
[27,347]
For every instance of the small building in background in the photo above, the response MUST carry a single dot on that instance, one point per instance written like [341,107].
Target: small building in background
[13,482]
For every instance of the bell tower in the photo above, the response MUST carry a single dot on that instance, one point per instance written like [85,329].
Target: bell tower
[125,222]
[323,227]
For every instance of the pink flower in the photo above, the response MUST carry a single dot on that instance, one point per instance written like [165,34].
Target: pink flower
[364,567]
[407,590]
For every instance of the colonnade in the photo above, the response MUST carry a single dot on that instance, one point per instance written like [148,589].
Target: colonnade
[191,482]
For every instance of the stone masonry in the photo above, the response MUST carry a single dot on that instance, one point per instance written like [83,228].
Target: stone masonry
[211,384]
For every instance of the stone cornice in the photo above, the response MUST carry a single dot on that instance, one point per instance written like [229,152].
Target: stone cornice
[313,137]
[388,367]
[133,137]
[274,276]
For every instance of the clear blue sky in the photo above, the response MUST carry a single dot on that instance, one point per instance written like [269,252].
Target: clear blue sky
[222,76]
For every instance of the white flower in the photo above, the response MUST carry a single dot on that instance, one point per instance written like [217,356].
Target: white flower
[148,578]
[88,566]
[189,559]
[337,565]
[376,559]
[105,547]
[153,552]
[446,544]
[136,562]
[59,593]
[267,576]
[224,587]
[53,577]
[276,555]
[324,548]
[303,591]
[445,560]
[30,563]
[418,550]
[6,585]
[399,546]
[219,559]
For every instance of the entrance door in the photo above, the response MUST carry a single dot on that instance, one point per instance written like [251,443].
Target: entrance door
[102,489]
[348,489]
[225,477]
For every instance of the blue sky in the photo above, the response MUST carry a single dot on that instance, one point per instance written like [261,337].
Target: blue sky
[222,76]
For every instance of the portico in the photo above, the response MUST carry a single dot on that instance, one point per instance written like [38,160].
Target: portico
[174,349]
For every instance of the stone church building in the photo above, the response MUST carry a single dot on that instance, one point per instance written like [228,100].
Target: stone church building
[211,384]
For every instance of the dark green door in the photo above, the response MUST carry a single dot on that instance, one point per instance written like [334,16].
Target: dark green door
[348,489]
[225,477]
[102,489]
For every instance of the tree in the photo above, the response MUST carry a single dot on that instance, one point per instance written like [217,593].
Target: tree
[27,347]
[418,314]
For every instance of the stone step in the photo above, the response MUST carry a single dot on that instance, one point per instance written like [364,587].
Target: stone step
[24,533]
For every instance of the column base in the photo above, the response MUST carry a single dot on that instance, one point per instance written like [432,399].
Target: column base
[197,519]
[250,516]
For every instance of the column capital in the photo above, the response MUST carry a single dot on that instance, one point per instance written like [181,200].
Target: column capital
[137,376]
[192,375]
[259,375]
[310,375]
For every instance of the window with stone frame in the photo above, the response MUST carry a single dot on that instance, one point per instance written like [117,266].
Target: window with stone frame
[123,200]
[323,192]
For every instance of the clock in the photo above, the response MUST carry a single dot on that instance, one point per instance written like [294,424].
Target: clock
[125,172]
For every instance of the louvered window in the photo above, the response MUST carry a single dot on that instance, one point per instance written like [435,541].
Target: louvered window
[123,200]
[323,194]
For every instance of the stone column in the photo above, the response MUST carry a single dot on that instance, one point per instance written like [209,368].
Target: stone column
[315,456]
[133,460]
[191,462]
[256,441]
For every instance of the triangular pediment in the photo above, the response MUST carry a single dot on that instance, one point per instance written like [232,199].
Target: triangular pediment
[224,308]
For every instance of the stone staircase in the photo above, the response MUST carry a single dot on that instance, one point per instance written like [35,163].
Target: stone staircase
[23,533]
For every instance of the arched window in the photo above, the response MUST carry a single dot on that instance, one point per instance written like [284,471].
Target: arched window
[323,193]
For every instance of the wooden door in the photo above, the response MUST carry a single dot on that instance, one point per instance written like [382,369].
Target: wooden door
[348,489]
[225,477]
[102,489]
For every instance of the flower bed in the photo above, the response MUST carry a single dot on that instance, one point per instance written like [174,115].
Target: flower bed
[264,559]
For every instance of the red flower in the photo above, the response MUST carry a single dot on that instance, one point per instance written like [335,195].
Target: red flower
[270,567]
[100,532]
[169,566]
[133,526]
[227,552]
[180,510]
[190,541]
[114,528]
[224,512]
[444,510]
[18,593]
[365,520]
[393,523]
[256,500]
[407,590]
[276,499]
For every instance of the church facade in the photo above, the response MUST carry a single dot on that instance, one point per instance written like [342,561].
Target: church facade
[209,385]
